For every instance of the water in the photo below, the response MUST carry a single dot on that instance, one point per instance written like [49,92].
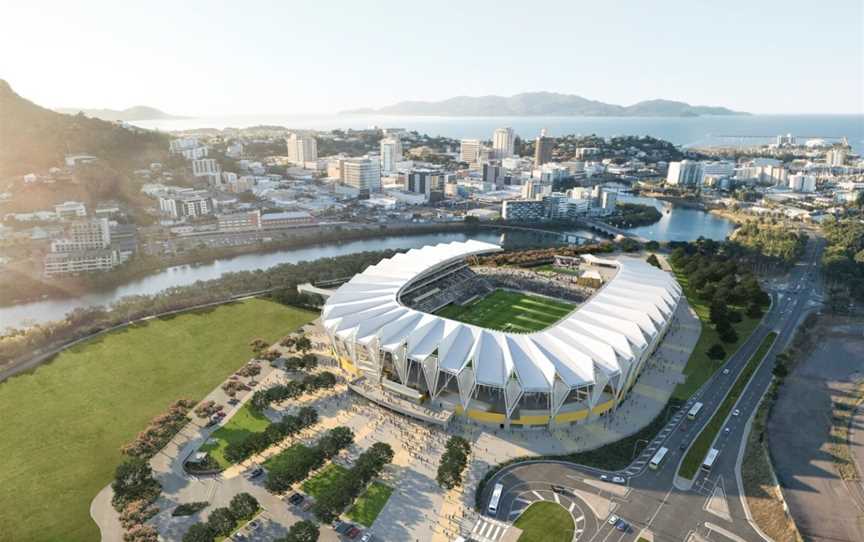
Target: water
[689,131]
[680,223]
[52,309]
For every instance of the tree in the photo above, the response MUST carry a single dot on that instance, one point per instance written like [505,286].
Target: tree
[652,259]
[652,246]
[303,344]
[243,506]
[728,334]
[258,345]
[199,532]
[718,312]
[133,480]
[222,521]
[302,531]
[716,352]
[780,370]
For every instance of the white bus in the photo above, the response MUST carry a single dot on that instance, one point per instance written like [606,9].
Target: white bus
[710,458]
[694,411]
[496,496]
[658,458]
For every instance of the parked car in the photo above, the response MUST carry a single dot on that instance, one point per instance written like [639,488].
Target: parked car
[622,526]
[343,527]
[613,519]
[727,430]
[212,421]
[253,525]
[254,473]
[367,537]
[619,480]
[337,525]
[219,415]
[604,477]
[353,532]
[559,489]
[233,401]
[295,498]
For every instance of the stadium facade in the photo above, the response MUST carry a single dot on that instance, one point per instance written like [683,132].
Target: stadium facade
[573,371]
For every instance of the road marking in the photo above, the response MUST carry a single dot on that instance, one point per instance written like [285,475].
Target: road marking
[539,496]
[572,506]
[520,499]
[557,500]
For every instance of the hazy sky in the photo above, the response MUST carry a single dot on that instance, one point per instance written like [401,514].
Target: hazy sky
[210,58]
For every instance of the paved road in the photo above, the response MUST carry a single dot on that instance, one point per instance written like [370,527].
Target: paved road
[650,498]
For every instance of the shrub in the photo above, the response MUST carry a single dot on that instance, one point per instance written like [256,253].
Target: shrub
[222,521]
[141,533]
[136,513]
[244,506]
[199,532]
[716,351]
[133,481]
[249,370]
[160,431]
[189,508]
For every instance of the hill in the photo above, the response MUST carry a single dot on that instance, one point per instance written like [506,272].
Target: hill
[543,104]
[138,112]
[35,138]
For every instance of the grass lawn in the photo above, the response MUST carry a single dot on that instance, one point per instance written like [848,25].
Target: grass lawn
[696,453]
[545,522]
[700,367]
[64,423]
[509,311]
[244,422]
[329,474]
[368,505]
[552,269]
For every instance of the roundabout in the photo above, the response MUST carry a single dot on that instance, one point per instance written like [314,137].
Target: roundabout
[542,514]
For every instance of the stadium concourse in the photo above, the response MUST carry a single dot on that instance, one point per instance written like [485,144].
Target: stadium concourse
[382,327]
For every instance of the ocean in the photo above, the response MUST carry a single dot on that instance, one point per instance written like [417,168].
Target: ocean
[687,131]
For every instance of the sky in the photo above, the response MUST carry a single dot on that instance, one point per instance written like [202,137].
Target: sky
[298,57]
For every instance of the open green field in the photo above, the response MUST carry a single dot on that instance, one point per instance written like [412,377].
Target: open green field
[368,505]
[329,474]
[64,423]
[510,311]
[700,367]
[696,453]
[241,424]
[545,522]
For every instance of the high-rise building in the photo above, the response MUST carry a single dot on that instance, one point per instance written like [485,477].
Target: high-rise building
[493,174]
[543,148]
[684,173]
[502,142]
[835,157]
[84,235]
[301,149]
[391,154]
[802,183]
[364,174]
[469,151]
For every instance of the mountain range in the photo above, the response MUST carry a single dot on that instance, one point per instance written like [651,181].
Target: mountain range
[543,104]
[138,112]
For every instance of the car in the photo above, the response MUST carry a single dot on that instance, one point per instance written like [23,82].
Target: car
[619,480]
[622,526]
[219,415]
[604,477]
[559,489]
[339,525]
[307,504]
[254,473]
[367,537]
[253,525]
[295,498]
[353,532]
[683,446]
[682,427]
[725,371]
[211,422]
[233,401]
[727,430]
[613,519]
[736,412]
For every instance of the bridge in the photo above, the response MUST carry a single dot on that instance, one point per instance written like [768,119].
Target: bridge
[612,231]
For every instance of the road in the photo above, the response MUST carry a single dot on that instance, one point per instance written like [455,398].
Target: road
[653,499]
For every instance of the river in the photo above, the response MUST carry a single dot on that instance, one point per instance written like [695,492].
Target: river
[678,224]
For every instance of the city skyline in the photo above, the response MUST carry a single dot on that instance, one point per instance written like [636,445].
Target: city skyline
[222,59]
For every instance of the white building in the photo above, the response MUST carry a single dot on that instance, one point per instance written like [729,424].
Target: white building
[391,154]
[802,183]
[84,235]
[835,157]
[719,169]
[684,173]
[535,189]
[469,151]
[190,204]
[188,147]
[301,149]
[503,140]
[364,174]
[70,209]
[205,167]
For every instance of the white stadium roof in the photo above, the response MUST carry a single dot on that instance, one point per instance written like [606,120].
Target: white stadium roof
[596,343]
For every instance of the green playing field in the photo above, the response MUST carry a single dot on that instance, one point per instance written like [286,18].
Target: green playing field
[509,311]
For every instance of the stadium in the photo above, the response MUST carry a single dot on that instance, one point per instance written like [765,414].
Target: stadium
[501,345]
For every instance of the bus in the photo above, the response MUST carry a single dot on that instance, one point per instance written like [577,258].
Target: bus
[496,496]
[694,411]
[710,458]
[658,458]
